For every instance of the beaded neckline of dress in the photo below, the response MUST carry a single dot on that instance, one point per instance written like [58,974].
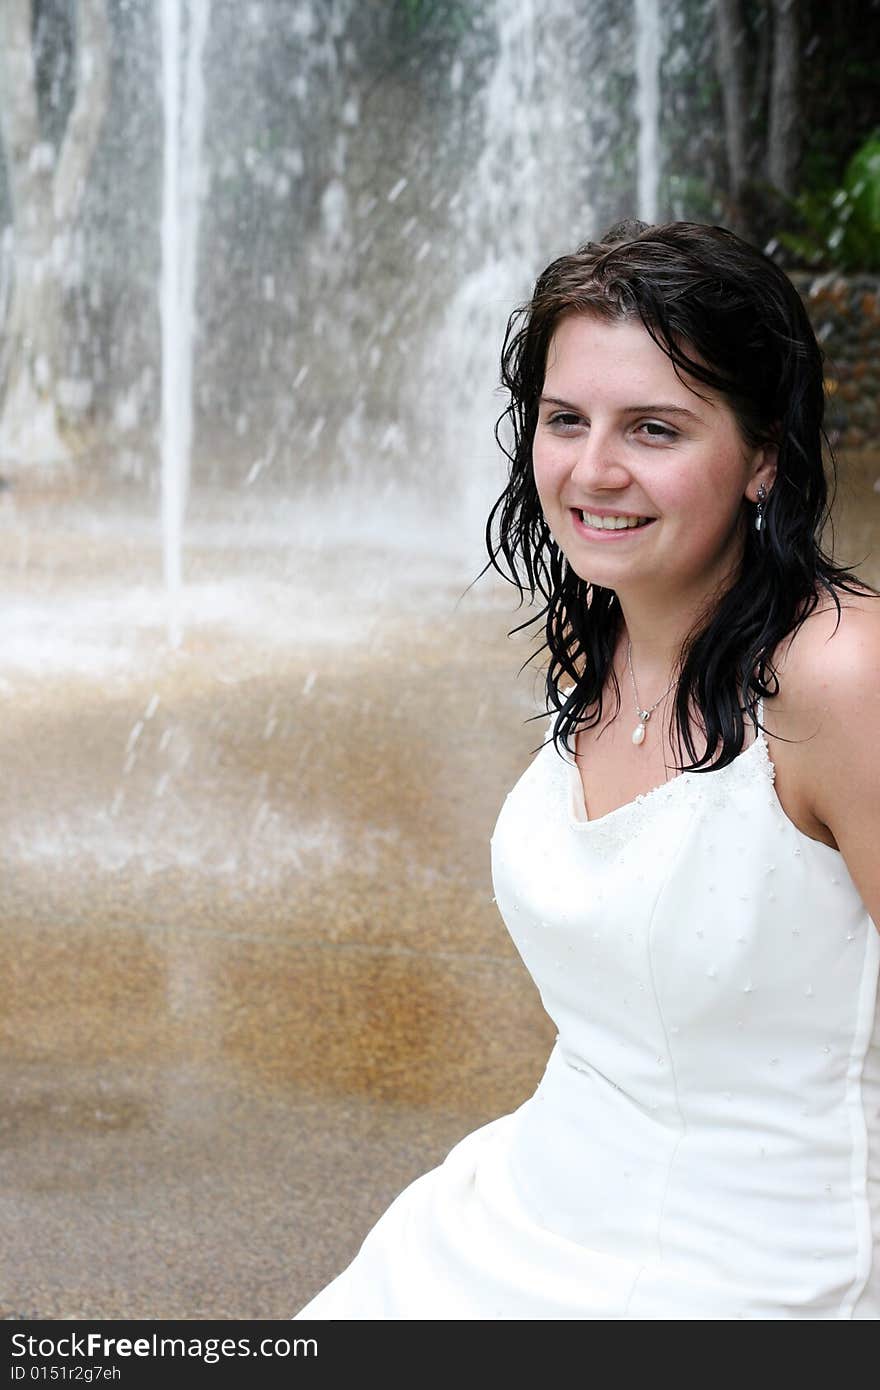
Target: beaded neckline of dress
[656,793]
[699,789]
[696,789]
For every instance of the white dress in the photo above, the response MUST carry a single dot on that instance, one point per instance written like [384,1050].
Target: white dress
[705,1140]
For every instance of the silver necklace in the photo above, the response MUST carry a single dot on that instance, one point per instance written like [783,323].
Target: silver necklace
[638,733]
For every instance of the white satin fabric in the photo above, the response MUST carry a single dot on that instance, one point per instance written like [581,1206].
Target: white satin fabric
[705,1141]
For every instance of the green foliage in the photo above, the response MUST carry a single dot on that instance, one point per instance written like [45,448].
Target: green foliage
[449,17]
[842,225]
[689,197]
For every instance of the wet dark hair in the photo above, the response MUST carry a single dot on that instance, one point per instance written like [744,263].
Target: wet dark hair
[697,289]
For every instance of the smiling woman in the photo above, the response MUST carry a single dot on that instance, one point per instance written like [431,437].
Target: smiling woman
[705,1141]
[675,467]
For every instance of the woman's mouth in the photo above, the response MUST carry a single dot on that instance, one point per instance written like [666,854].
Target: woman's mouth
[609,528]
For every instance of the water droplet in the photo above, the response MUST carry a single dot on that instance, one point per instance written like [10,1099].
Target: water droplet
[826,1049]
[809,991]
[659,1061]
[674,1028]
[740,938]
[699,933]
[828,1187]
[774,1061]
[728,1095]
[795,931]
[712,972]
[396,191]
[771,897]
[711,887]
[850,936]
[747,989]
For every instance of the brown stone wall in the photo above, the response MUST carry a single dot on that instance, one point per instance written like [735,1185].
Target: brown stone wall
[845,312]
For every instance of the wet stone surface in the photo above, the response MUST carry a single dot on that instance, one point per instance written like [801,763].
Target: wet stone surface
[256,981]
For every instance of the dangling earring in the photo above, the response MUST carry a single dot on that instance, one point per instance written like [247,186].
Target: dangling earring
[759,516]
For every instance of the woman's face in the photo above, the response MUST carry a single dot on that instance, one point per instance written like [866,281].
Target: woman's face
[619,433]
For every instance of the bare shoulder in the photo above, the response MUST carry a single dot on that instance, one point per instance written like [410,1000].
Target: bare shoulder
[824,732]
[832,657]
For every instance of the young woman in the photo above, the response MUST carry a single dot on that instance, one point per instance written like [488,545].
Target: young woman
[689,866]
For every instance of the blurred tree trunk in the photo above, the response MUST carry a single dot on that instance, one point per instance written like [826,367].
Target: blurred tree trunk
[784,126]
[47,189]
[761,108]
[732,55]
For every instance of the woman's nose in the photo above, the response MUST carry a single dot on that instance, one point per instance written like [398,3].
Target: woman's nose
[600,461]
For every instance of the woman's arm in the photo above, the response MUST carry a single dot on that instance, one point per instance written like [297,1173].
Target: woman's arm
[833,684]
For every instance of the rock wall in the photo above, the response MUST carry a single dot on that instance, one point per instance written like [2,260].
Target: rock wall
[845,312]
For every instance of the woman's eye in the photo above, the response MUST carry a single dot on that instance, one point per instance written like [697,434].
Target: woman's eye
[565,420]
[655,430]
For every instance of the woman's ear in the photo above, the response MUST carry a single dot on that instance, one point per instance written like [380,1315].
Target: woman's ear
[764,466]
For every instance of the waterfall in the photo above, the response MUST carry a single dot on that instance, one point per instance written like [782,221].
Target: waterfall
[183,100]
[647,44]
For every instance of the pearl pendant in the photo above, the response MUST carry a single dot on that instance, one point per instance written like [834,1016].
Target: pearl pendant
[639,734]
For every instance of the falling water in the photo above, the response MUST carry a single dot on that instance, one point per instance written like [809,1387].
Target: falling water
[527,199]
[183,96]
[647,38]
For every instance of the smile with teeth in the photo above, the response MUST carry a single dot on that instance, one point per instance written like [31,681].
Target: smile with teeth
[613,523]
